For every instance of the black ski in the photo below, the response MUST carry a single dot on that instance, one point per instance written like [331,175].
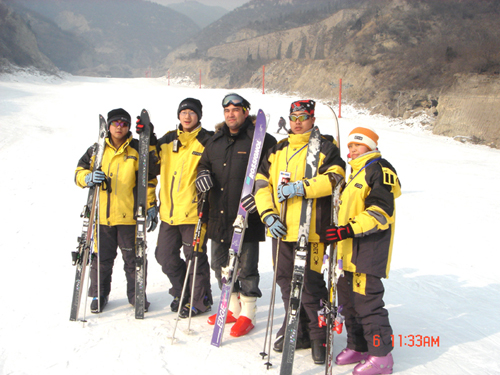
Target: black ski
[86,239]
[301,250]
[142,193]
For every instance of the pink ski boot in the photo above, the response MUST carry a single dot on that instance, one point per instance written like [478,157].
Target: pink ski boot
[375,366]
[348,356]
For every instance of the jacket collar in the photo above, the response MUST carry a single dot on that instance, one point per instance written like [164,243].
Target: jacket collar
[185,137]
[222,129]
[298,140]
[360,162]
[123,146]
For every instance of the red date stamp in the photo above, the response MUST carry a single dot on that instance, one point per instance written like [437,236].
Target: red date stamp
[410,341]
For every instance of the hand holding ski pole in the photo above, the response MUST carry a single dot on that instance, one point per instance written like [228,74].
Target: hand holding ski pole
[95,178]
[204,181]
[275,225]
[290,190]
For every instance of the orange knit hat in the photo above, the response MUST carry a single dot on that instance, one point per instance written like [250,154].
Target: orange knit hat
[363,136]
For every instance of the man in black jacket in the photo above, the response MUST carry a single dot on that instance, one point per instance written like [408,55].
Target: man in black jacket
[222,171]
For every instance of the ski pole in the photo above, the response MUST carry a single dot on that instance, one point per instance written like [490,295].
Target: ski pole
[196,242]
[90,241]
[196,249]
[270,317]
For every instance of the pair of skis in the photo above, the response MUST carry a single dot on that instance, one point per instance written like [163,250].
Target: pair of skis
[81,258]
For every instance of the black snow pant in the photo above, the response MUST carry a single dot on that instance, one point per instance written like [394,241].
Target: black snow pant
[110,238]
[313,292]
[170,240]
[366,319]
[248,278]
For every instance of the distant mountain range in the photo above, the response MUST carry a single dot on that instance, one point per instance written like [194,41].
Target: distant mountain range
[396,57]
[103,37]
[202,15]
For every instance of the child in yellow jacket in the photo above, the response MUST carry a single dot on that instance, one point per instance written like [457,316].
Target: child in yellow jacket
[365,235]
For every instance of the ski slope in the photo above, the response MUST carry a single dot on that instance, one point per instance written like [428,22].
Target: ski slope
[444,284]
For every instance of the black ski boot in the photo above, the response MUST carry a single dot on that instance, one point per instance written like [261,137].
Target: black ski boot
[318,351]
[94,306]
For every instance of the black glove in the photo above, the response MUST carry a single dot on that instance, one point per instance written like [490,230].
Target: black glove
[139,128]
[204,181]
[152,218]
[248,203]
[335,234]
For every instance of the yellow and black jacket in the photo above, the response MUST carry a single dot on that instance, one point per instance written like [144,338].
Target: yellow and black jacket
[179,153]
[117,203]
[289,155]
[367,204]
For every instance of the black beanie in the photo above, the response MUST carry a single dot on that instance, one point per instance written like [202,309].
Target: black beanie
[193,104]
[118,114]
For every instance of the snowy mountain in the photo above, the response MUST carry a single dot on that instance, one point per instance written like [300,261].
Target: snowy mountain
[444,285]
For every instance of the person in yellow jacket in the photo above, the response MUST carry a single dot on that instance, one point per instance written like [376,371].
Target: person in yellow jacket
[279,204]
[179,152]
[117,222]
[365,233]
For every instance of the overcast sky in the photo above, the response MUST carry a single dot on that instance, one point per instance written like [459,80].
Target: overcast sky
[229,5]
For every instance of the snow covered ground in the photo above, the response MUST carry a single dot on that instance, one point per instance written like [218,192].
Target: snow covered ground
[444,284]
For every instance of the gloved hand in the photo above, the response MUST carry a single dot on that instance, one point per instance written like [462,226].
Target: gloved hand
[139,128]
[204,181]
[335,234]
[289,190]
[95,178]
[152,218]
[248,203]
[275,226]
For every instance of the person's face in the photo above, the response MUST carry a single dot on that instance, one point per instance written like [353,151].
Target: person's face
[235,116]
[356,150]
[188,119]
[119,129]
[299,124]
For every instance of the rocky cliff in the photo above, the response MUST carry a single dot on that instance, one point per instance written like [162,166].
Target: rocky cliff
[395,57]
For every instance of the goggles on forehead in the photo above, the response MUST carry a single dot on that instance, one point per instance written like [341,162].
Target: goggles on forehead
[235,100]
[120,124]
[301,118]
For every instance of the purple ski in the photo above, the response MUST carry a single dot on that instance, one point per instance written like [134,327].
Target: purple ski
[240,224]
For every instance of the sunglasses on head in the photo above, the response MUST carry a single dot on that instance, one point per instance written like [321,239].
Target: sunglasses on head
[119,124]
[301,118]
[235,100]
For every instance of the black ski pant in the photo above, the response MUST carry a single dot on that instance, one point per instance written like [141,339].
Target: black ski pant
[366,319]
[248,278]
[170,240]
[110,238]
[313,292]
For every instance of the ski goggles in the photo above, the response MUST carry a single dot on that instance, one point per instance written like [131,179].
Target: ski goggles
[120,124]
[301,118]
[235,100]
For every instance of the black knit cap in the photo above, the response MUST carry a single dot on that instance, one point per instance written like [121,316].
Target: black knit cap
[193,104]
[118,114]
